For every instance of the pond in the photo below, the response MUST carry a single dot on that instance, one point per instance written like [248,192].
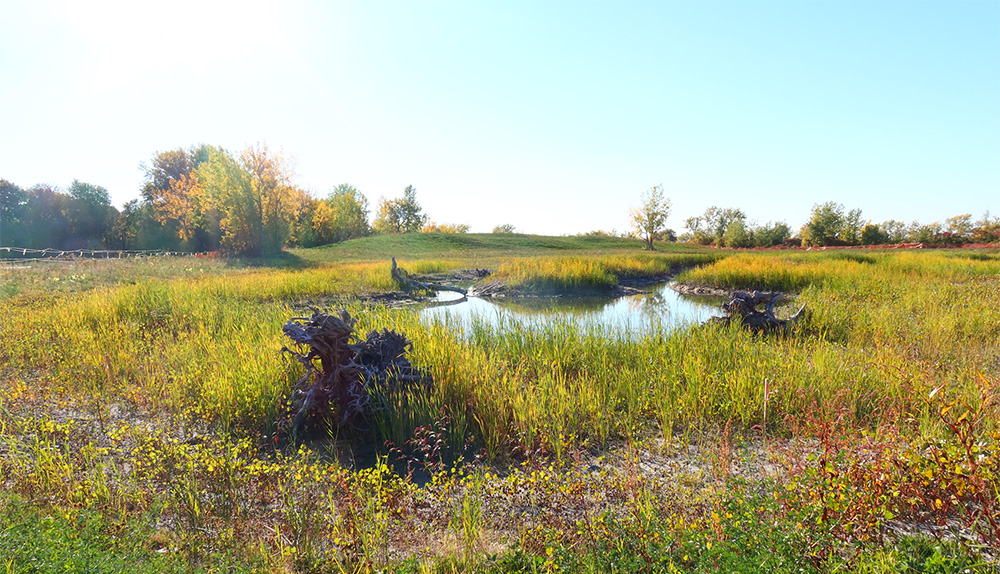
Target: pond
[662,307]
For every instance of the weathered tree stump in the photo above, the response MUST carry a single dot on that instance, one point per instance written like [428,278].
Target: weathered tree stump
[742,308]
[342,375]
[403,279]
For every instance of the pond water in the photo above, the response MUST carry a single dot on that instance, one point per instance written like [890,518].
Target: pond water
[661,308]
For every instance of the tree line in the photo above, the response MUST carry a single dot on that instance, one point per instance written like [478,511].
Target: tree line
[205,198]
[828,225]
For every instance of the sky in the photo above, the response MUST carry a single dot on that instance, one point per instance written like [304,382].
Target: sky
[551,116]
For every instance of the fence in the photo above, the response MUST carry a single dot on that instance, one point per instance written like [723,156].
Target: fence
[48,253]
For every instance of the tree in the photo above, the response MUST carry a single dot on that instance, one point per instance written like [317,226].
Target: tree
[432,227]
[13,201]
[696,232]
[89,215]
[771,234]
[960,226]
[650,218]
[850,231]
[254,195]
[825,224]
[711,227]
[895,230]
[504,228]
[349,213]
[403,215]
[873,235]
[738,235]
[167,167]
[917,232]
[172,188]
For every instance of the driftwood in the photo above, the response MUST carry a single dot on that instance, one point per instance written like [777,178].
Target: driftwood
[742,308]
[402,277]
[341,375]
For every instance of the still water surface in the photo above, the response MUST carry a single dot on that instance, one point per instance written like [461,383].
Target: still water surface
[661,308]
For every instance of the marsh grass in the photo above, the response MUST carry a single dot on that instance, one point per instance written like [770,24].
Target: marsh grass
[591,274]
[196,362]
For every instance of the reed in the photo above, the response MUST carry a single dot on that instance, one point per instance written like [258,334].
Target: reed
[203,354]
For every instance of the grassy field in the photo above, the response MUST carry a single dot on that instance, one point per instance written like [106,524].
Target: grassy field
[142,398]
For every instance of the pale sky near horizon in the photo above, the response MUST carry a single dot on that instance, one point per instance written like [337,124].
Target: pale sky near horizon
[551,116]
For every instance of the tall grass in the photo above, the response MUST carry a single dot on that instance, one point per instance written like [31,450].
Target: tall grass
[881,330]
[204,354]
[559,274]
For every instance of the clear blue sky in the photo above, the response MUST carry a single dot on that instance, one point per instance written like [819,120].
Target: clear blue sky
[552,116]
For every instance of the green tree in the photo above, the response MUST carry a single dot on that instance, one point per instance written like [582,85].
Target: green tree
[960,226]
[650,218]
[895,230]
[504,228]
[738,235]
[825,225]
[13,202]
[403,215]
[710,227]
[697,232]
[349,213]
[89,215]
[917,232]
[850,231]
[45,222]
[872,234]
[771,234]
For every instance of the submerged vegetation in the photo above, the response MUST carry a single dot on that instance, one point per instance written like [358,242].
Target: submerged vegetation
[867,440]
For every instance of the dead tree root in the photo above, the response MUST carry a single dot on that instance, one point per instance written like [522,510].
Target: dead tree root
[343,373]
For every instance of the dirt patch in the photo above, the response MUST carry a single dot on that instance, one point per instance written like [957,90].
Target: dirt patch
[699,289]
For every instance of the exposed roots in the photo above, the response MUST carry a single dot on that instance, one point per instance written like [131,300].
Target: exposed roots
[742,308]
[342,375]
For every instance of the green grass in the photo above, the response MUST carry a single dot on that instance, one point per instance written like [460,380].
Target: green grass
[67,539]
[487,248]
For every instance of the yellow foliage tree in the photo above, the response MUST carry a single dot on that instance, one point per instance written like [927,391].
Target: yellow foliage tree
[180,202]
[255,197]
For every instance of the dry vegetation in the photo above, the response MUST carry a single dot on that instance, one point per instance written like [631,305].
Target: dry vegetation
[139,423]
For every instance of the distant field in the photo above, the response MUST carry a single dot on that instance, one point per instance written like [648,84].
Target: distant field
[487,248]
[143,397]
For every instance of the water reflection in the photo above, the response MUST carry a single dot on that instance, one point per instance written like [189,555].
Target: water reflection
[662,307]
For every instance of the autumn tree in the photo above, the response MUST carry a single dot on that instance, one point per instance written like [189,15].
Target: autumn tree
[255,197]
[432,227]
[343,215]
[504,228]
[650,218]
[402,215]
[172,188]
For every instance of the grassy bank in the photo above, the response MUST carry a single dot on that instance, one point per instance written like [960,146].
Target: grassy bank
[158,401]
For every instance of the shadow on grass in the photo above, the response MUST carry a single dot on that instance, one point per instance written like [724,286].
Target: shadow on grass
[283,260]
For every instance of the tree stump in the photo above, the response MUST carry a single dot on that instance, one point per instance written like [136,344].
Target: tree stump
[403,279]
[742,308]
[342,375]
